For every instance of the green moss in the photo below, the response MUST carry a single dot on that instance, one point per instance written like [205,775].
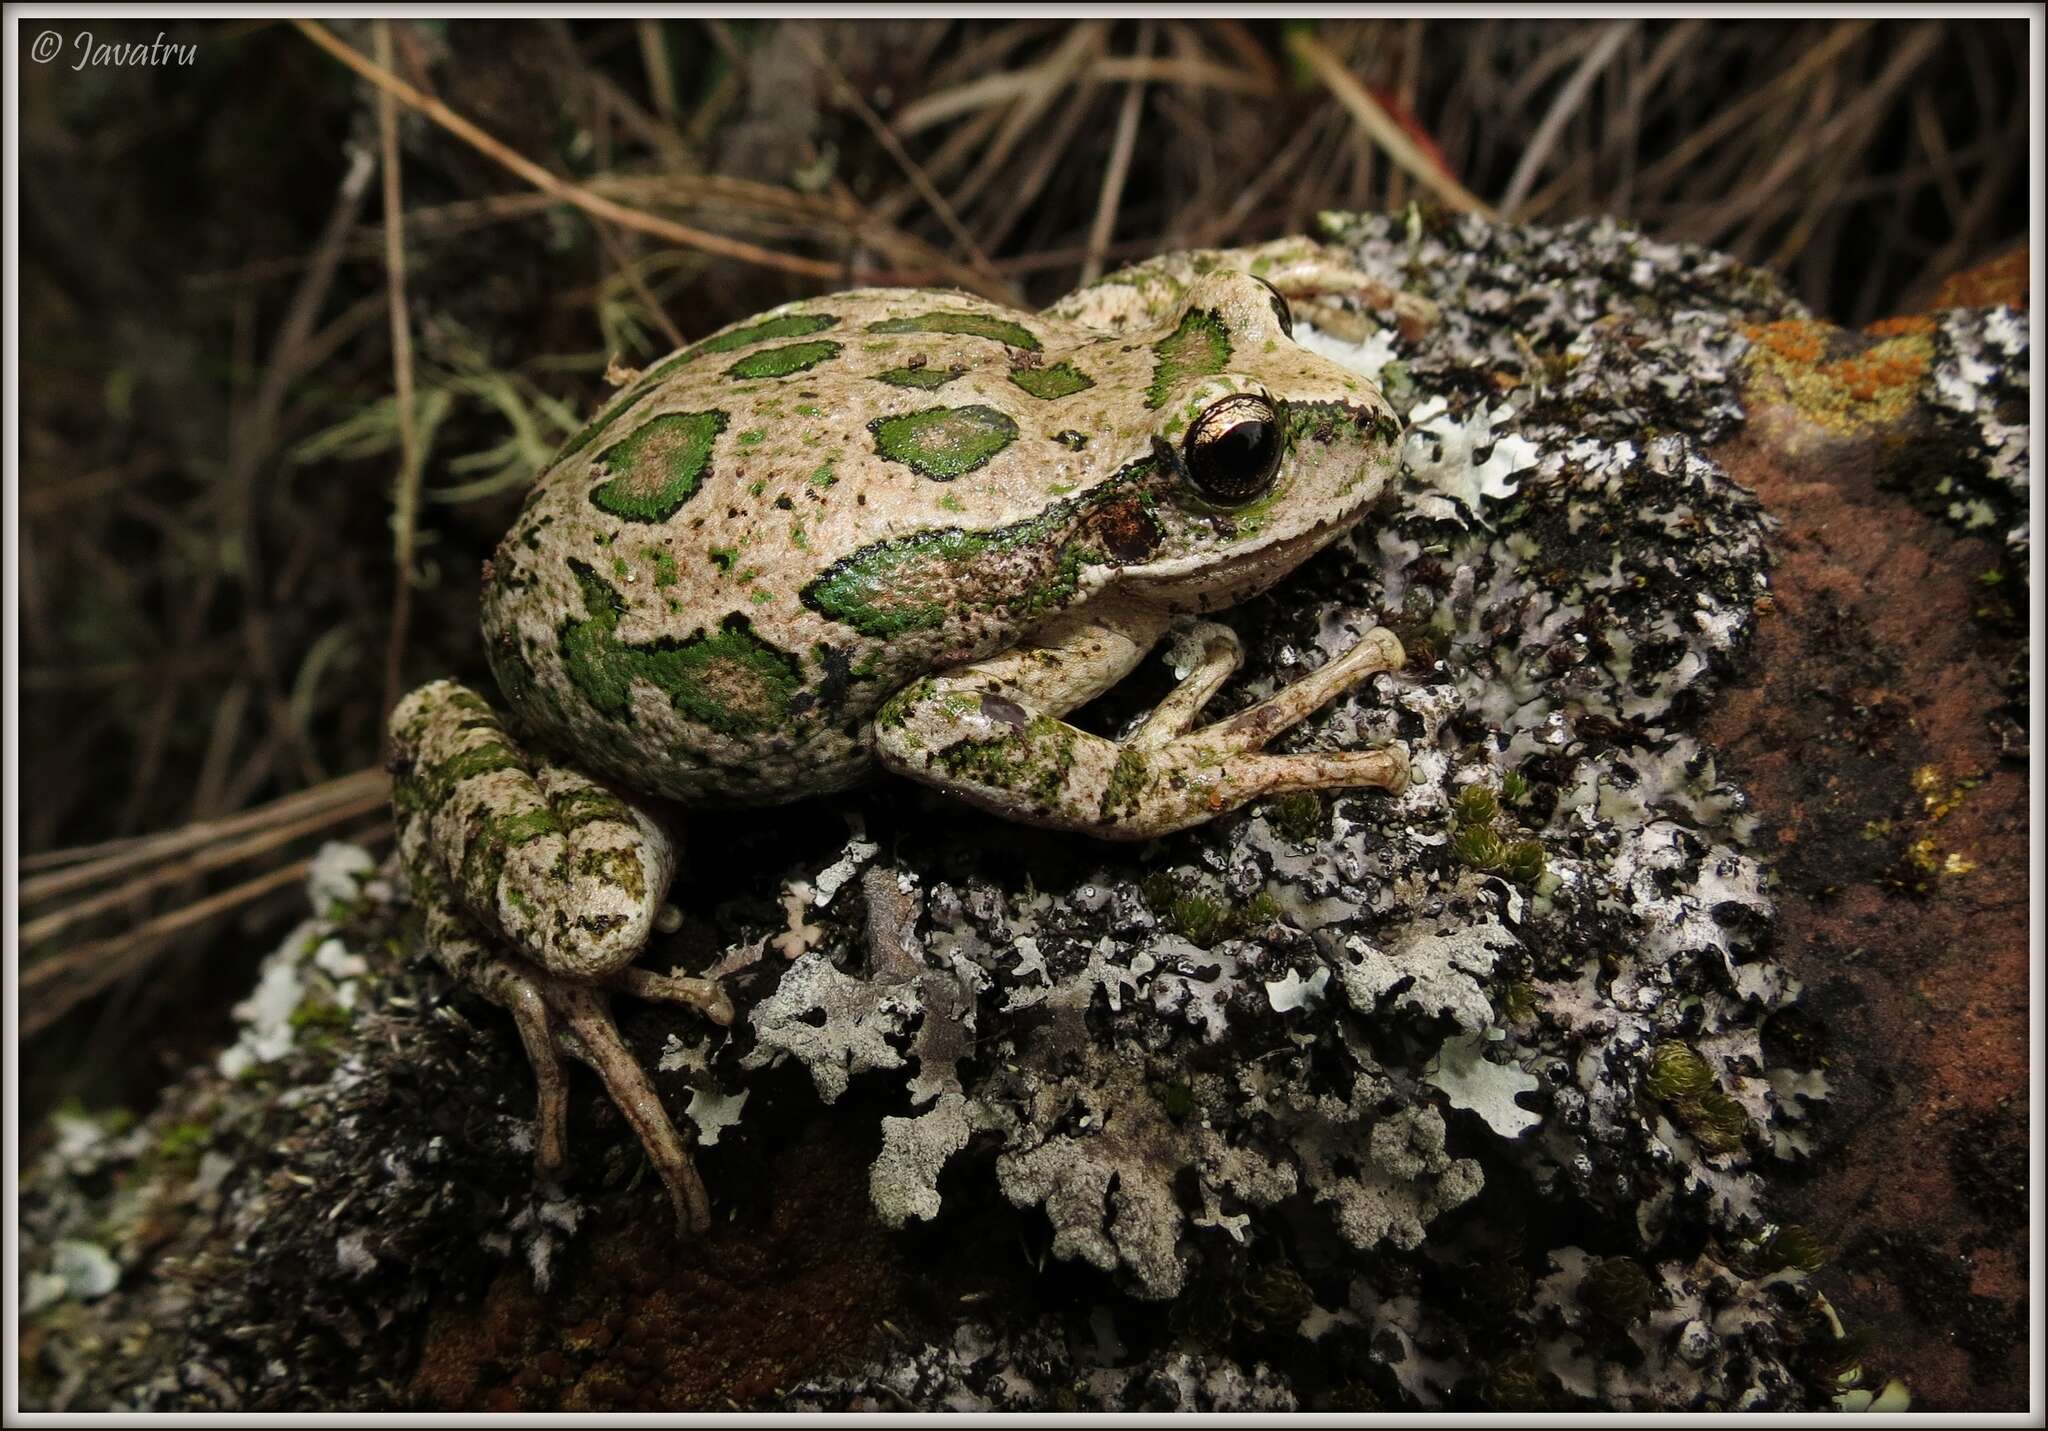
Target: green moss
[1618,1292]
[182,1141]
[972,325]
[1257,912]
[1683,1079]
[1478,847]
[1676,1073]
[1277,1297]
[1517,1382]
[1518,1002]
[665,573]
[1474,805]
[1296,816]
[1199,919]
[1792,1245]
[1523,861]
[943,443]
[658,467]
[318,1014]
[1716,1121]
[1203,919]
[1176,1097]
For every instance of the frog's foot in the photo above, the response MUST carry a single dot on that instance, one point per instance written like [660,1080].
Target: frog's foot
[986,733]
[555,1015]
[559,1014]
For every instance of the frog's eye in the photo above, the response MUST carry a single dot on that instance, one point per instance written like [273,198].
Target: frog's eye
[1233,449]
[1280,309]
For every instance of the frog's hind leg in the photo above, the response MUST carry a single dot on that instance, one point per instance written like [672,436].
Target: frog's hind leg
[989,732]
[540,886]
[554,1015]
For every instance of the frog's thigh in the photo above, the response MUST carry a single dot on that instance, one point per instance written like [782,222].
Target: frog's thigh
[989,733]
[561,867]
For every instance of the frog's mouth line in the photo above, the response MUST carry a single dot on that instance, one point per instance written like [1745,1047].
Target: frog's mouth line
[1214,585]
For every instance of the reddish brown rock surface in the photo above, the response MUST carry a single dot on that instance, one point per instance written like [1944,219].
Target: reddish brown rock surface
[1861,728]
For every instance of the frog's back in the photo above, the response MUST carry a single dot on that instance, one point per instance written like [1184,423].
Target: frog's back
[763,537]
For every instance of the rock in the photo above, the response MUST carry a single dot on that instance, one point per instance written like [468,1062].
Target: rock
[1403,1057]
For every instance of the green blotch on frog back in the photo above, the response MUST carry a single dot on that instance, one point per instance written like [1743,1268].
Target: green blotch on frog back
[926,378]
[943,442]
[519,685]
[966,324]
[782,362]
[665,572]
[1199,347]
[729,679]
[1025,570]
[790,325]
[658,466]
[1058,381]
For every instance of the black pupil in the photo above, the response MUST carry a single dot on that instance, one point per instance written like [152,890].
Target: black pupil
[1236,463]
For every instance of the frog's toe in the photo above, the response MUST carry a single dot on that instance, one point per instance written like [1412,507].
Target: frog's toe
[595,1040]
[536,1030]
[706,996]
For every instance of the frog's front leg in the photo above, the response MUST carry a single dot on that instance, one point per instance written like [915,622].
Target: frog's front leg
[990,732]
[539,887]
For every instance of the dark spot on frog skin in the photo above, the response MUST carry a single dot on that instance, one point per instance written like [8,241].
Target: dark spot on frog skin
[1005,710]
[1127,531]
[835,677]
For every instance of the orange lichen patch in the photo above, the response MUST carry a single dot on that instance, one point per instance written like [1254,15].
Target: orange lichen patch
[1870,385]
[1892,363]
[1904,323]
[2004,280]
[1793,340]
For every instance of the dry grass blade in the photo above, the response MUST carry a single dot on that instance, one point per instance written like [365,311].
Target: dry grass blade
[912,170]
[405,511]
[1391,138]
[1561,110]
[205,862]
[1119,170]
[593,204]
[87,865]
[1703,139]
[54,987]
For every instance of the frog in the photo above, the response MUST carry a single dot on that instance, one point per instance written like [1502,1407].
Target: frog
[883,531]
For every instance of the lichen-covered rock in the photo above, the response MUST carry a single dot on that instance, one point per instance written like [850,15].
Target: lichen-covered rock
[1326,1097]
